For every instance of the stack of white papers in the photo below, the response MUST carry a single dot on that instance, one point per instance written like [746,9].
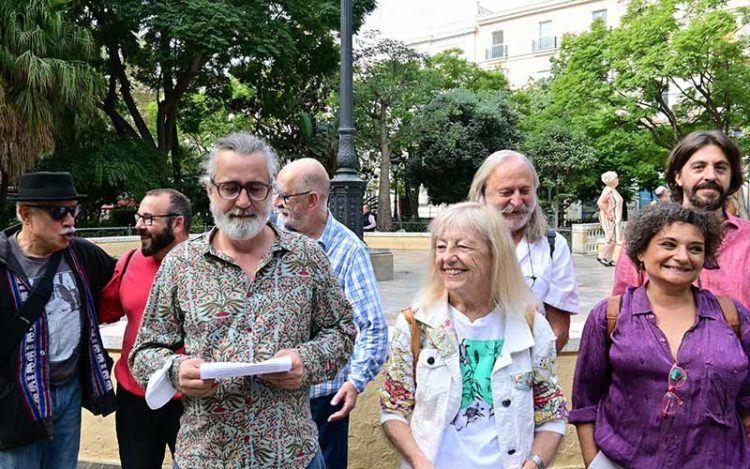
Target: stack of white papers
[217,370]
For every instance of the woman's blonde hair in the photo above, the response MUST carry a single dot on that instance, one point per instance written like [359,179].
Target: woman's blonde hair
[609,177]
[537,227]
[508,288]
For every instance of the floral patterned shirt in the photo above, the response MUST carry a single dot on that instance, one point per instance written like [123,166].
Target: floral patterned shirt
[201,298]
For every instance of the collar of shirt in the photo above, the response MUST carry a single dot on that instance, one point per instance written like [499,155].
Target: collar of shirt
[328,235]
[705,307]
[731,220]
[282,242]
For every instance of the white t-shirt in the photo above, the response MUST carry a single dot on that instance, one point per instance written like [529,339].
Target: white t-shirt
[552,283]
[470,440]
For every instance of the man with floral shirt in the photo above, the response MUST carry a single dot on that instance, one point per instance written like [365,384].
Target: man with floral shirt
[245,292]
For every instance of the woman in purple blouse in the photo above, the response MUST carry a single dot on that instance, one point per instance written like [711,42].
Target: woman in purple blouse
[670,387]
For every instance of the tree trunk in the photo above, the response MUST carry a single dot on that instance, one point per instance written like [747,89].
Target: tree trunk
[176,154]
[385,220]
[4,182]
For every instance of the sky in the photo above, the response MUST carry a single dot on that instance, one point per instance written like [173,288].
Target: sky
[402,19]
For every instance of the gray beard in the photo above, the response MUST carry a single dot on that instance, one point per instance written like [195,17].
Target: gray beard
[239,229]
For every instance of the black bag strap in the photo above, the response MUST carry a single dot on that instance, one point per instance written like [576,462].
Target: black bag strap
[31,309]
[551,235]
[127,261]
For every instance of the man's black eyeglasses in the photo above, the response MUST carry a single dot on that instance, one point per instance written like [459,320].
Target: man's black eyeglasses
[58,213]
[148,220]
[285,197]
[255,190]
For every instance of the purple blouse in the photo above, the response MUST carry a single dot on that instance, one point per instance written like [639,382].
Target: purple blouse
[620,387]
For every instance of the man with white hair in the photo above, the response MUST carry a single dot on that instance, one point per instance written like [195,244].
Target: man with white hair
[245,292]
[508,181]
[52,360]
[302,202]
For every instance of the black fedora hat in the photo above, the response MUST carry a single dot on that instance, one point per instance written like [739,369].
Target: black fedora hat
[45,185]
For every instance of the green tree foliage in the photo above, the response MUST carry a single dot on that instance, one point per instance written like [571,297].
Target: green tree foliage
[43,76]
[391,83]
[633,91]
[106,167]
[564,160]
[281,51]
[457,72]
[453,135]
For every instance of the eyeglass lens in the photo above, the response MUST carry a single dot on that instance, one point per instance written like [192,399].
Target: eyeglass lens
[675,379]
[147,220]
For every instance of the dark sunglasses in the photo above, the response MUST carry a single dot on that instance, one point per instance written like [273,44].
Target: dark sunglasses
[59,213]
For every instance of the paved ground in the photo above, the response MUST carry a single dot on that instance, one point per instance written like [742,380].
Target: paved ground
[410,267]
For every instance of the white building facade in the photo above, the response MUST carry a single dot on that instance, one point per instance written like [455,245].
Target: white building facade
[521,38]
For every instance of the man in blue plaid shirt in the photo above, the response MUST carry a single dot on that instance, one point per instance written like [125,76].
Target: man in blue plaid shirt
[302,202]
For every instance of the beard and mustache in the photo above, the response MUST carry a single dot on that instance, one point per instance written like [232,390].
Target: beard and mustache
[517,217]
[711,204]
[240,229]
[159,240]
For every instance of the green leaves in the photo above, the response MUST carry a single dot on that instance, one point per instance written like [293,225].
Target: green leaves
[453,134]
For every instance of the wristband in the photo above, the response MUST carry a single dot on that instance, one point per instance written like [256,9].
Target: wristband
[536,459]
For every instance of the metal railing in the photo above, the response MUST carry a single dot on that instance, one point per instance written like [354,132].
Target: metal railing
[114,231]
[497,51]
[544,43]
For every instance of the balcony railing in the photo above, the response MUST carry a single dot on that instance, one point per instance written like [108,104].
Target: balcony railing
[497,51]
[544,43]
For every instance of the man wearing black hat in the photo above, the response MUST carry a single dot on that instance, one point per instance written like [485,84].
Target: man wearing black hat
[52,360]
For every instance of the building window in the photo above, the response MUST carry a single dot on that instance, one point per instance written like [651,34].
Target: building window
[498,49]
[595,15]
[546,40]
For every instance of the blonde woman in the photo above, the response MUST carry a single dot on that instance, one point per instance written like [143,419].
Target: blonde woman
[486,393]
[610,215]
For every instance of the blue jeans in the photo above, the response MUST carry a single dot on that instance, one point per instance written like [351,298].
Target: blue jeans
[333,437]
[317,463]
[61,451]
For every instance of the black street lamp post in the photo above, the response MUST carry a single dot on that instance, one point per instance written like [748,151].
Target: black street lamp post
[347,189]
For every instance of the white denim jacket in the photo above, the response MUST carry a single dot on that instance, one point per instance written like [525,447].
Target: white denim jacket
[524,369]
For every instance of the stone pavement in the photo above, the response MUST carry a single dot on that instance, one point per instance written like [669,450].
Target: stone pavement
[410,269]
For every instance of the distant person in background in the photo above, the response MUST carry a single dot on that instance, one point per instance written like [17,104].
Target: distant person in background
[662,195]
[369,222]
[610,216]
[163,221]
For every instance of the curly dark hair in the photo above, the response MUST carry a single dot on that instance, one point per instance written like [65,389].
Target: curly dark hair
[653,218]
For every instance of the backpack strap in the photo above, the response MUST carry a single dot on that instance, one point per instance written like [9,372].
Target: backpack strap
[613,310]
[729,310]
[551,235]
[415,337]
[127,261]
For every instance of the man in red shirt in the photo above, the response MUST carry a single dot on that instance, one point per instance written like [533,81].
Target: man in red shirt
[163,221]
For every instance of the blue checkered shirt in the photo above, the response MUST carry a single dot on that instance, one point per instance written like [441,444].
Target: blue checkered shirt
[350,260]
